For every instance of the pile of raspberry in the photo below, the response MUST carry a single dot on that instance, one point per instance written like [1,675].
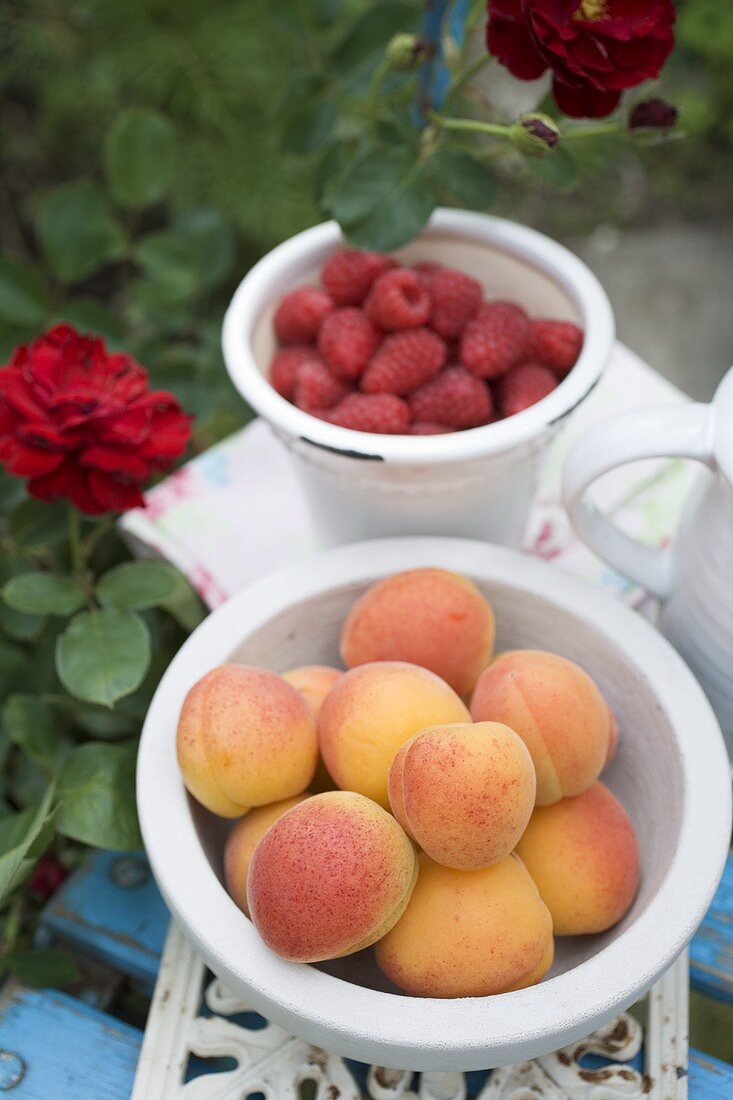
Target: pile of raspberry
[412,350]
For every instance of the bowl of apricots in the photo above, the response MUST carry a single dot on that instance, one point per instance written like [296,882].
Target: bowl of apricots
[433,804]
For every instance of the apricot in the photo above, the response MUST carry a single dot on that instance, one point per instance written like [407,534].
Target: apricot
[242,841]
[469,933]
[428,617]
[369,714]
[612,736]
[315,682]
[330,877]
[464,792]
[245,738]
[583,855]
[556,709]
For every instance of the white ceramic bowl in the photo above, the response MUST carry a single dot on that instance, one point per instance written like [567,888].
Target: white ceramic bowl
[478,483]
[670,771]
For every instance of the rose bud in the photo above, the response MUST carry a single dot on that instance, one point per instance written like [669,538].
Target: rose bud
[406,51]
[653,114]
[535,135]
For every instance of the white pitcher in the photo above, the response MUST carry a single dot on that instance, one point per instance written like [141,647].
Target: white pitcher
[694,576]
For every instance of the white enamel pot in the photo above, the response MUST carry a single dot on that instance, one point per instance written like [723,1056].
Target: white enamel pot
[478,483]
[670,772]
[693,577]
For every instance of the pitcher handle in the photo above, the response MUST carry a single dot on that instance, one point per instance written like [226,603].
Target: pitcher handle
[675,431]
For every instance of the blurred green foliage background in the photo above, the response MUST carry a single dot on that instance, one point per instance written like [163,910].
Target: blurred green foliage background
[218,70]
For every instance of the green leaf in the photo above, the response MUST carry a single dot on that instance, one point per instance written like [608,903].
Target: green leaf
[368,36]
[467,181]
[16,624]
[34,728]
[309,126]
[383,200]
[23,838]
[14,666]
[169,261]
[41,593]
[136,585]
[185,605]
[210,239]
[23,293]
[105,723]
[97,793]
[331,166]
[325,12]
[43,968]
[138,157]
[103,655]
[26,782]
[560,169]
[77,231]
[36,525]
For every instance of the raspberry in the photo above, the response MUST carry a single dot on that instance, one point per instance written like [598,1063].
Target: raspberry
[556,344]
[425,271]
[348,275]
[398,300]
[524,386]
[425,427]
[284,367]
[316,387]
[456,297]
[495,339]
[456,398]
[347,341]
[300,313]
[380,412]
[405,361]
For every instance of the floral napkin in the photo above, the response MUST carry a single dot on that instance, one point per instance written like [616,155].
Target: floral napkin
[237,510]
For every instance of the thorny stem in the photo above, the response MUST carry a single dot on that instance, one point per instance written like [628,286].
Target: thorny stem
[375,87]
[493,128]
[76,546]
[12,924]
[599,130]
[467,73]
[94,538]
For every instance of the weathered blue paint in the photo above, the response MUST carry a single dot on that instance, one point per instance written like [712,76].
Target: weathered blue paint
[53,1047]
[709,1079]
[435,76]
[110,909]
[711,951]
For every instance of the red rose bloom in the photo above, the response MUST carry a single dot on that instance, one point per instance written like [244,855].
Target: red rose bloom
[80,422]
[595,48]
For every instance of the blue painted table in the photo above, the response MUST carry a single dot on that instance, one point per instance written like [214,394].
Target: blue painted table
[58,1046]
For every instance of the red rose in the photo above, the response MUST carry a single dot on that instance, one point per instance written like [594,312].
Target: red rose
[80,422]
[595,48]
[47,876]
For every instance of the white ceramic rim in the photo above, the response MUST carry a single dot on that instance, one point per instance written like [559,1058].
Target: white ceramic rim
[266,280]
[406,1032]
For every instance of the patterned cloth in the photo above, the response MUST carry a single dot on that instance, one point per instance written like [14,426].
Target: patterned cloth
[237,510]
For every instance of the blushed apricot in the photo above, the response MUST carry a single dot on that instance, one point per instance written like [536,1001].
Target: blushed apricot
[370,713]
[469,933]
[330,877]
[583,854]
[464,792]
[556,709]
[242,841]
[428,617]
[245,738]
